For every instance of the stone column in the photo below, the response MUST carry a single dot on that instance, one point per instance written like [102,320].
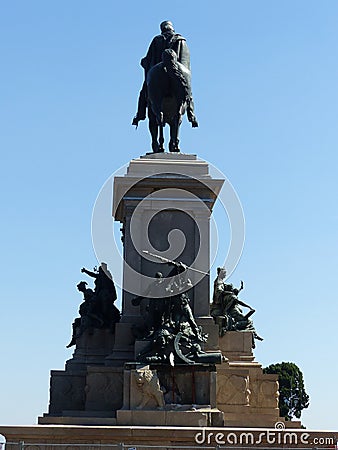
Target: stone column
[164,202]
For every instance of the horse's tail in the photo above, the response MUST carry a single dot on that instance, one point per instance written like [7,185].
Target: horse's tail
[175,72]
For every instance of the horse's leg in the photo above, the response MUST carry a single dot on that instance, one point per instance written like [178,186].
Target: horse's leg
[161,138]
[153,128]
[174,131]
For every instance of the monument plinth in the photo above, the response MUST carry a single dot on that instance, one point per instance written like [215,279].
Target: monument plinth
[164,203]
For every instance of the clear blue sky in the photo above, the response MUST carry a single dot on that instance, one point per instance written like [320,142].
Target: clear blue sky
[266,94]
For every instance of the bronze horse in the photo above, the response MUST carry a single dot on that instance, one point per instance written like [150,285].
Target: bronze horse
[169,97]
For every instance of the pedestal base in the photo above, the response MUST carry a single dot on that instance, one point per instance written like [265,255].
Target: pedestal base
[91,349]
[185,417]
[237,345]
[86,388]
[246,395]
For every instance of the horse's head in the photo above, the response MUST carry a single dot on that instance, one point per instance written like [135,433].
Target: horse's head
[169,56]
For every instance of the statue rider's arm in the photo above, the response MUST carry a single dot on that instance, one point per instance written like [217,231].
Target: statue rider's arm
[147,60]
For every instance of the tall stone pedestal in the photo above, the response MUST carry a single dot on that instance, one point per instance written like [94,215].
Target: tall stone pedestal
[164,203]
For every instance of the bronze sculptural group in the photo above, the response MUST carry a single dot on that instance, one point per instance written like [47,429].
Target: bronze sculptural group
[166,91]
[174,336]
[226,308]
[98,309]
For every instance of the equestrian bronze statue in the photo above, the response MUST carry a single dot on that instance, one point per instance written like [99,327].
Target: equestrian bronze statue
[166,91]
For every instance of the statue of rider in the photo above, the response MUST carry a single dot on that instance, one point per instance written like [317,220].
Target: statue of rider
[168,39]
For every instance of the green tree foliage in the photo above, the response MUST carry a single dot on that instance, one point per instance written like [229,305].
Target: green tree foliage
[292,396]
